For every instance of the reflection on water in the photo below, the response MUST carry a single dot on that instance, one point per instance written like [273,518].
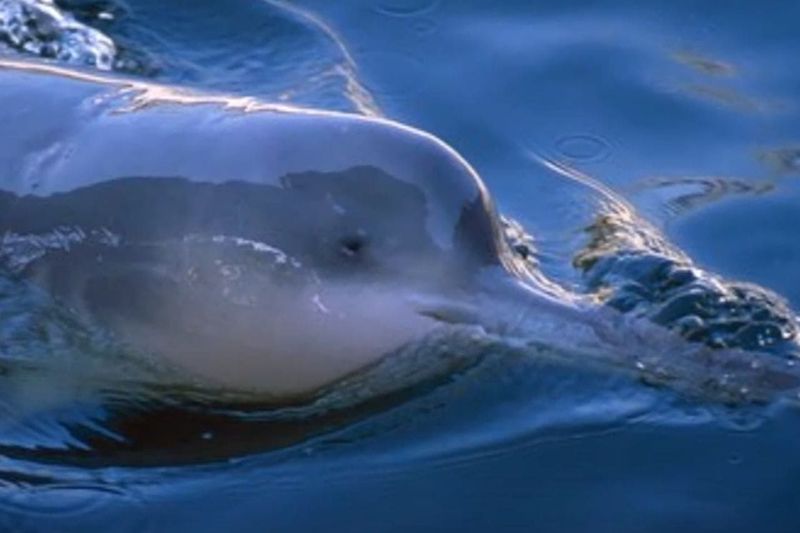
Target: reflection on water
[705,65]
[683,194]
[784,160]
[728,97]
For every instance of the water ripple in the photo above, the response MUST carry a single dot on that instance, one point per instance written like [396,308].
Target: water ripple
[27,505]
[782,160]
[405,8]
[687,193]
[583,147]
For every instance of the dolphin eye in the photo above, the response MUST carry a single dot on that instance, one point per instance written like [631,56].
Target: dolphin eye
[352,245]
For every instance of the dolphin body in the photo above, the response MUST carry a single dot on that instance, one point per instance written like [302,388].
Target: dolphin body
[259,247]
[253,246]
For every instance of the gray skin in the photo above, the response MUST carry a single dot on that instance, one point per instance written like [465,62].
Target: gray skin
[253,246]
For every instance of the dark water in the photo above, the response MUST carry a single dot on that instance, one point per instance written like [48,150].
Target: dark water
[688,110]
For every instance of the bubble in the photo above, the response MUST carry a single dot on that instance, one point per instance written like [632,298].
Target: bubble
[689,323]
[583,147]
[405,8]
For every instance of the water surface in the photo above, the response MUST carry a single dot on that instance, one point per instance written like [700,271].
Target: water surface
[687,110]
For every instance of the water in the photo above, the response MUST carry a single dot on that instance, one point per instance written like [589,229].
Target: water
[688,111]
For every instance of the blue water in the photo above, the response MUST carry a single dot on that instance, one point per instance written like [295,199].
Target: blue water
[690,111]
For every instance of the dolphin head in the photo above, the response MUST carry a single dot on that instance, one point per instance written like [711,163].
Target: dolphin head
[273,250]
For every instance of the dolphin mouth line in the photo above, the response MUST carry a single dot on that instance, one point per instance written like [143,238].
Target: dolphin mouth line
[581,331]
[509,308]
[447,312]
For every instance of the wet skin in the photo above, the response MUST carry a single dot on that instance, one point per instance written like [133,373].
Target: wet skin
[254,246]
[278,250]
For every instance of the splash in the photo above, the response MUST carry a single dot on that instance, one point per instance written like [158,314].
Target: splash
[629,266]
[38,27]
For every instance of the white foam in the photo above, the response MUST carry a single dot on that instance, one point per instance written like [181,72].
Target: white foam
[18,251]
[40,28]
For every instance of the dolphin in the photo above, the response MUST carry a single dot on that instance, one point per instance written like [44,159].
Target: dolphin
[256,246]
